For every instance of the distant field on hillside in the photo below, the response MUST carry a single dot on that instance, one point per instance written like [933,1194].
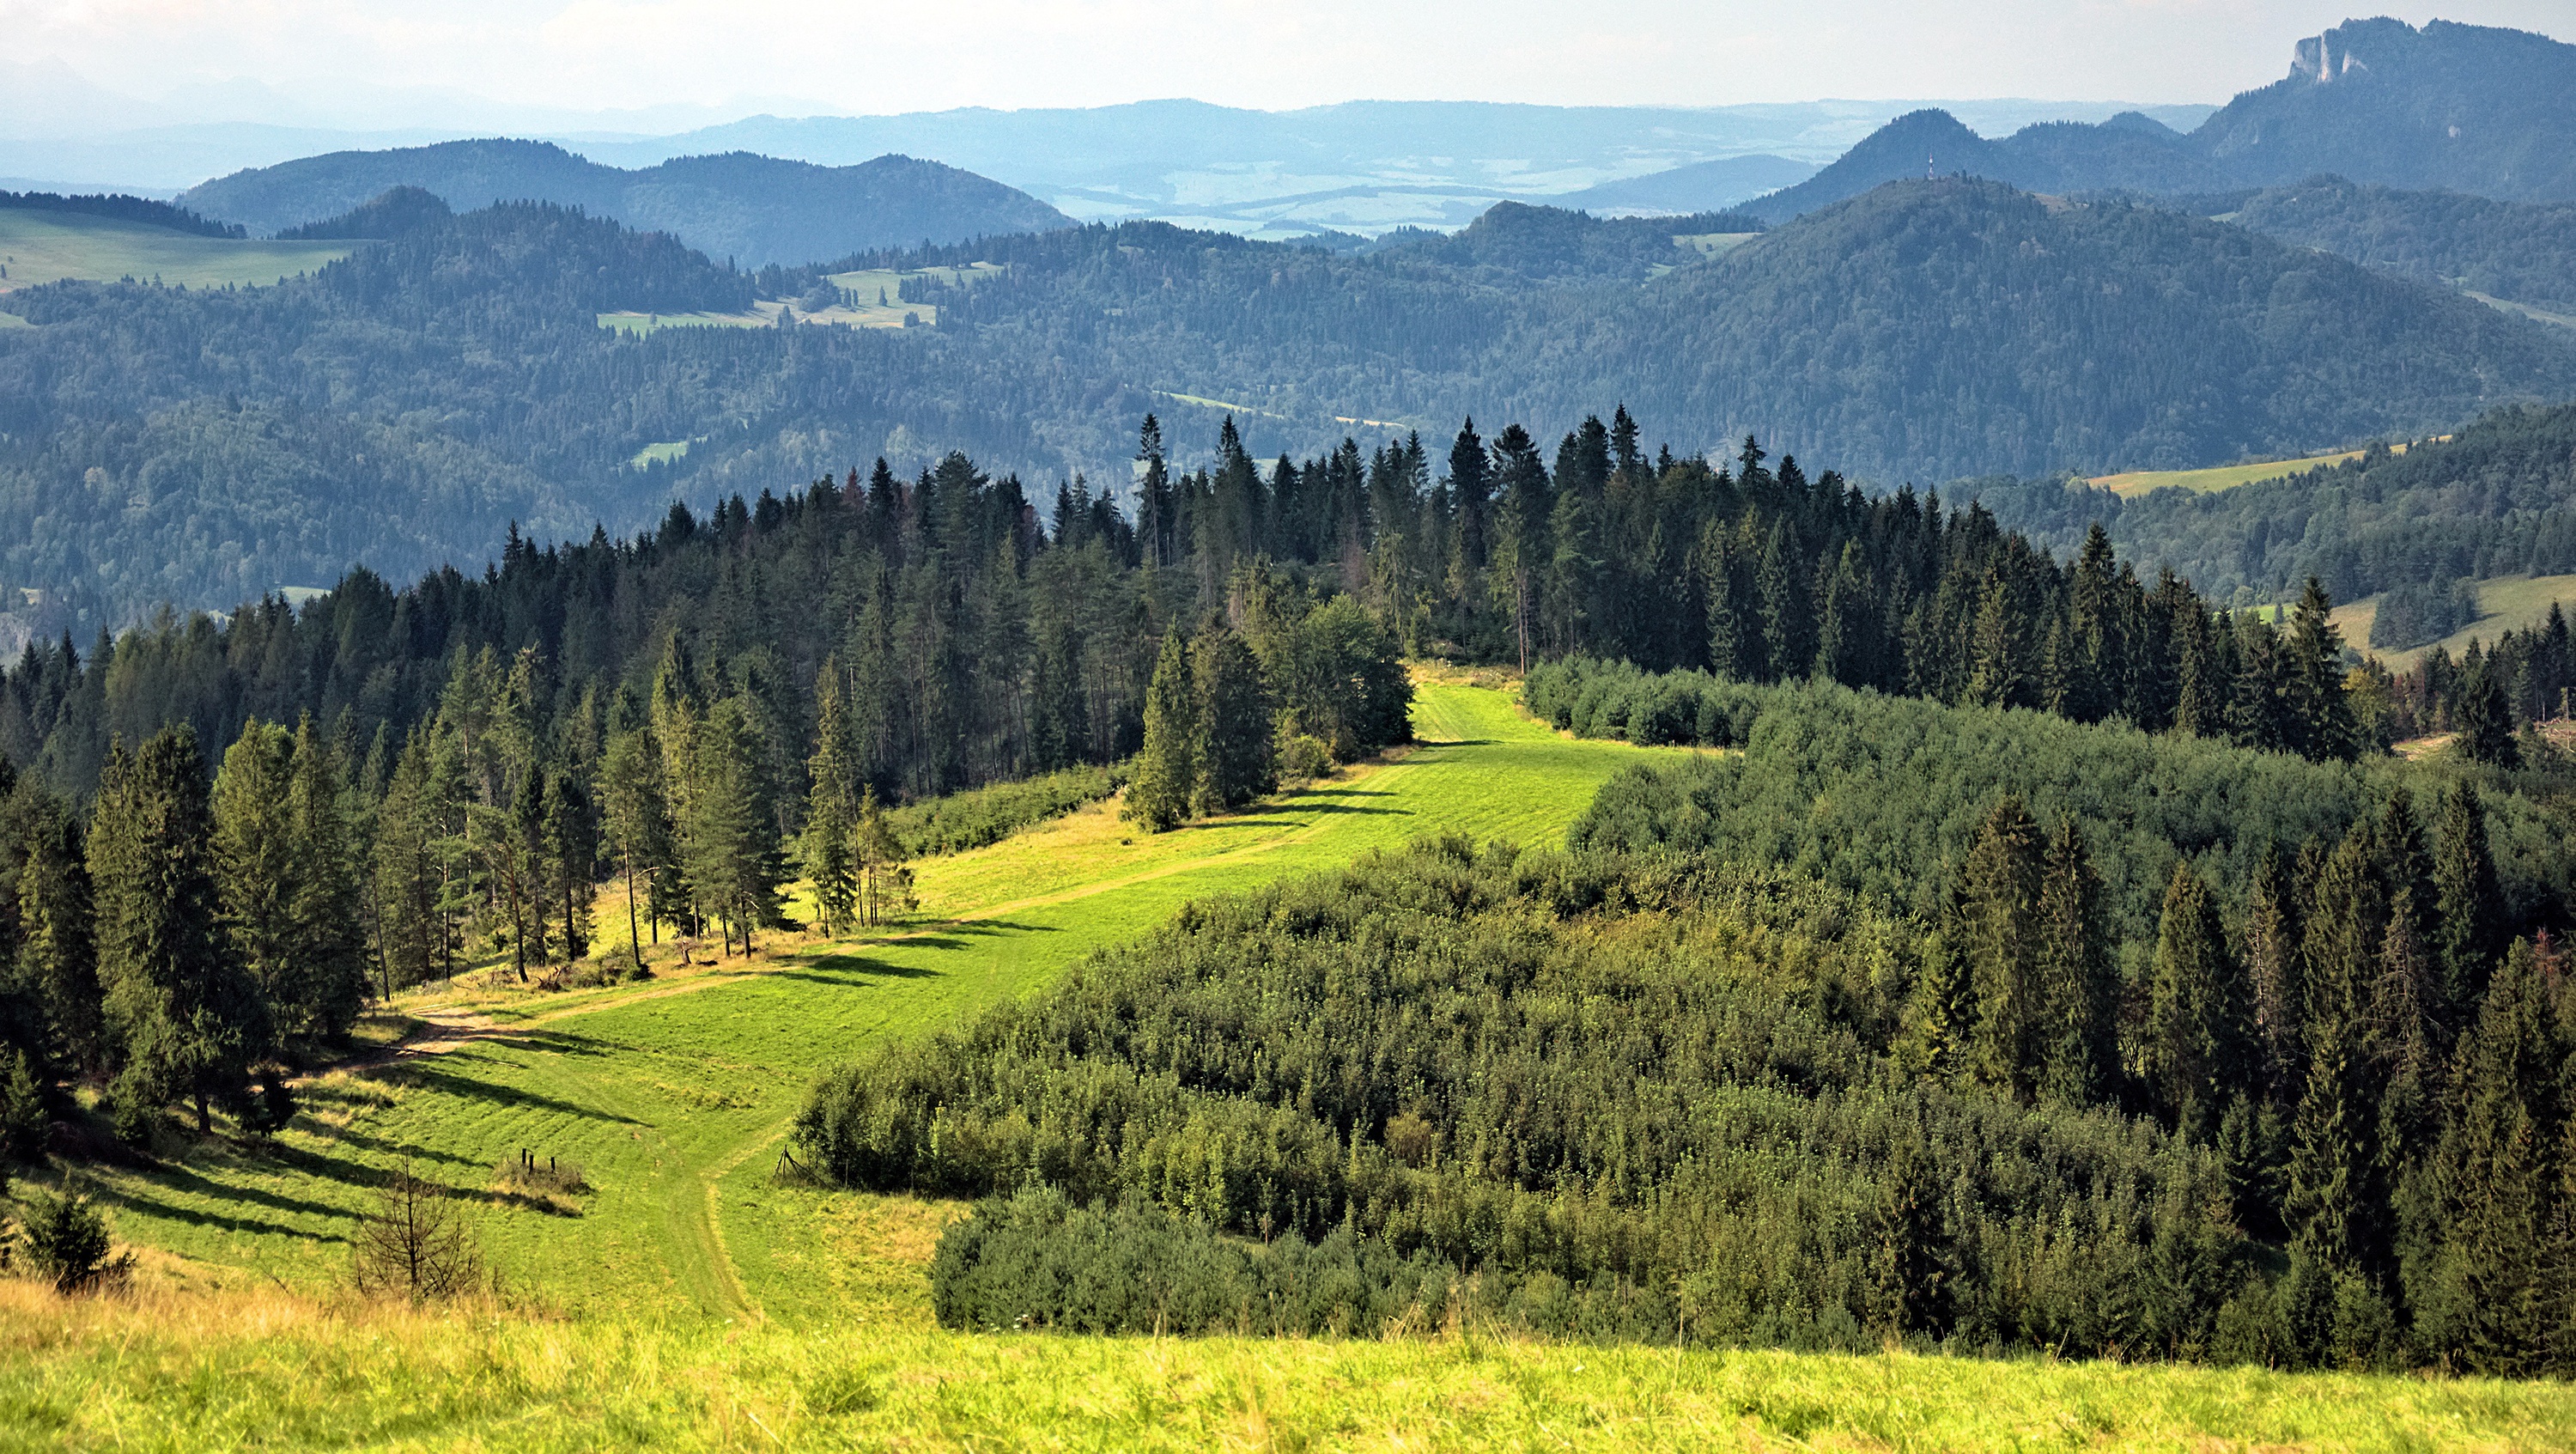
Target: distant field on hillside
[865,312]
[47,247]
[2135,483]
[2505,603]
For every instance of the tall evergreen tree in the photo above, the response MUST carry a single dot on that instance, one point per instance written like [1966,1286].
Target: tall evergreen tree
[57,957]
[1234,723]
[2003,929]
[183,1017]
[639,820]
[1167,769]
[2195,1049]
[2485,719]
[2469,907]
[2273,961]
[831,810]
[2079,987]
[2499,1309]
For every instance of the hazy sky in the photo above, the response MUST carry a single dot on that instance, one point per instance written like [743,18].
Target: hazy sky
[873,57]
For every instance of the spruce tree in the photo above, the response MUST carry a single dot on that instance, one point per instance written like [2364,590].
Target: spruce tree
[2002,931]
[2079,987]
[2338,1207]
[571,851]
[639,821]
[831,803]
[2469,917]
[2498,1164]
[57,959]
[1234,729]
[2485,719]
[183,1018]
[2324,727]
[2195,1053]
[325,907]
[256,867]
[730,838]
[1167,768]
[2273,961]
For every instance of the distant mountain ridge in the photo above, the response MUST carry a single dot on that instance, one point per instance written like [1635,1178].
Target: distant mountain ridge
[2470,108]
[756,210]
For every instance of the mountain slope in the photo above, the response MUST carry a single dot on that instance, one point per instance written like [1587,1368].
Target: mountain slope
[1698,187]
[2464,107]
[2468,107]
[756,210]
[2523,252]
[1933,329]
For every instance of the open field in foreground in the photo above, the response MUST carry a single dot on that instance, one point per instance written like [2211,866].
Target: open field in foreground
[47,247]
[254,1371]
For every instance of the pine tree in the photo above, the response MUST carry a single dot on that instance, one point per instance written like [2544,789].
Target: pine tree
[2194,1054]
[1997,673]
[2469,909]
[2338,1205]
[729,840]
[2485,719]
[2273,961]
[639,821]
[2324,729]
[571,852]
[1167,769]
[2499,1176]
[325,907]
[2002,929]
[2079,988]
[1235,731]
[831,803]
[256,869]
[183,1017]
[1787,624]
[57,959]
[1909,1289]
[879,855]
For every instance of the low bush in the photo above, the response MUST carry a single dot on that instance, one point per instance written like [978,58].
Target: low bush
[960,821]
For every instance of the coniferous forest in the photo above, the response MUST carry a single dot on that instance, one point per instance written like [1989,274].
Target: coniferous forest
[2027,972]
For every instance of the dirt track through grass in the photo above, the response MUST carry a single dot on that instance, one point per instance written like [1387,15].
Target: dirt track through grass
[675,1094]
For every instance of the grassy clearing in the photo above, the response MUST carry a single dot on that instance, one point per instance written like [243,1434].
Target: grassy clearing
[684,1297]
[647,324]
[661,453]
[272,1371]
[1713,244]
[2505,603]
[48,247]
[2140,483]
[674,1093]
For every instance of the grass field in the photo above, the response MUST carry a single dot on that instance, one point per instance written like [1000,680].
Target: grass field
[691,1299]
[2138,483]
[270,1371]
[867,284]
[2505,603]
[47,247]
[674,1093]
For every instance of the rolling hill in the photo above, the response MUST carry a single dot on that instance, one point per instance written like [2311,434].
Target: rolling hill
[753,209]
[1924,331]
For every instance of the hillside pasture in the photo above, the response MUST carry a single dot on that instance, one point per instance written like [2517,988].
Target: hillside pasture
[50,247]
[2136,484]
[674,1093]
[2505,603]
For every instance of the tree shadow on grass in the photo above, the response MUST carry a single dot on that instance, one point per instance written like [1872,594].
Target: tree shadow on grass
[471,1089]
[377,1144]
[196,1217]
[176,1177]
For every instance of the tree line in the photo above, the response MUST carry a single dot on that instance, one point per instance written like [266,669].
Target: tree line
[665,730]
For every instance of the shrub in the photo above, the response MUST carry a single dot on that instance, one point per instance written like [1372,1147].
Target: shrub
[67,1242]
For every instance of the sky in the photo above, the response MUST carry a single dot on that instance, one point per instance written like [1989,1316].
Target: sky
[463,61]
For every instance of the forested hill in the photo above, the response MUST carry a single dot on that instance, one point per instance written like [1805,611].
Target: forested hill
[2470,108]
[401,407]
[2518,251]
[755,210]
[2499,498]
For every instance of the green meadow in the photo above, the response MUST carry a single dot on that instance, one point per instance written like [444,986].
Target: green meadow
[693,1297]
[48,247]
[674,1093]
[2505,603]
